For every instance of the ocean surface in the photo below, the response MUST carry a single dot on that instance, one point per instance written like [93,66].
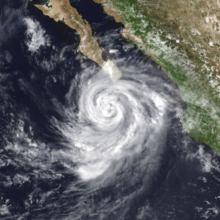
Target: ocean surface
[75,145]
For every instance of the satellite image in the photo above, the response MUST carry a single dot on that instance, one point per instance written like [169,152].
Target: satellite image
[109,109]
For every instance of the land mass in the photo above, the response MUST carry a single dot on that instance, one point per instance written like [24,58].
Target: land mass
[184,38]
[63,11]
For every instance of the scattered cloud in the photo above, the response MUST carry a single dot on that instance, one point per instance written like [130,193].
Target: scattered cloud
[36,36]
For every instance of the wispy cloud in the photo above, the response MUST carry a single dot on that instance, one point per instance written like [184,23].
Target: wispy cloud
[36,36]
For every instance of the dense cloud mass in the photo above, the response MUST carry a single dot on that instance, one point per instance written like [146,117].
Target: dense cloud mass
[116,121]
[75,145]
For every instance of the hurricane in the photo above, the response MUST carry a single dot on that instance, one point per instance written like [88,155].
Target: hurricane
[115,122]
[80,143]
[115,133]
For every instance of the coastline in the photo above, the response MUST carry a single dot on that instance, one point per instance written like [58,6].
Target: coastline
[63,11]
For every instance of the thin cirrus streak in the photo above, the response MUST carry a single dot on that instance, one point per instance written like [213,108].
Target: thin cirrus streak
[116,121]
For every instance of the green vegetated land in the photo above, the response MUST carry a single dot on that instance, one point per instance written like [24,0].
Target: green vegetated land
[180,60]
[48,4]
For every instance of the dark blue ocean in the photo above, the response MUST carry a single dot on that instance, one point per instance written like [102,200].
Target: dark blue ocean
[179,181]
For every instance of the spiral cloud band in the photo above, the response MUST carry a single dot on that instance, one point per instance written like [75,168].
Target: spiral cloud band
[79,142]
[115,121]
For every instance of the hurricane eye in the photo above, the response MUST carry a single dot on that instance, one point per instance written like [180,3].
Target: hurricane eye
[114,121]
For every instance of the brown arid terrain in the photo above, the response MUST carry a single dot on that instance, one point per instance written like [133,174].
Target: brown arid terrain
[182,36]
[192,26]
[63,11]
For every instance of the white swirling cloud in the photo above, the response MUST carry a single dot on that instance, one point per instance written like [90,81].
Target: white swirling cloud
[115,122]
